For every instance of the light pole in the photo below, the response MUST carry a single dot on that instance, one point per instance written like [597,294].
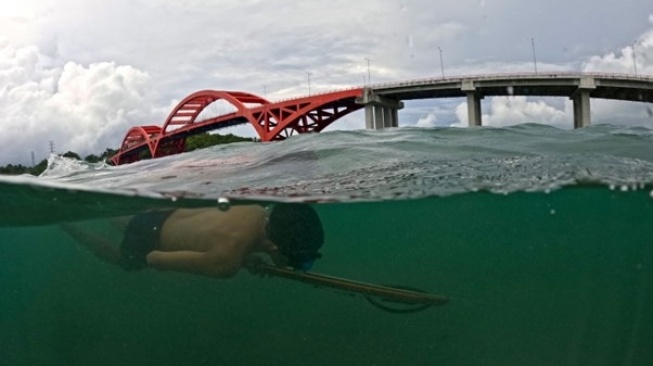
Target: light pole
[534,58]
[308,75]
[265,90]
[369,80]
[635,58]
[441,61]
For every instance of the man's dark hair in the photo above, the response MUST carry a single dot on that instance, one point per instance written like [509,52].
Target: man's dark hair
[296,229]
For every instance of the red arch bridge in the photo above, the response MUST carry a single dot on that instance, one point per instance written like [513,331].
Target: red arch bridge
[276,121]
[272,121]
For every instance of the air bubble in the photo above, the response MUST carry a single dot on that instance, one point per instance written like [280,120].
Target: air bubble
[223,204]
[552,212]
[612,187]
[624,188]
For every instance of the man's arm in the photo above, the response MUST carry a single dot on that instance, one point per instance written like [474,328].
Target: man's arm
[219,264]
[101,247]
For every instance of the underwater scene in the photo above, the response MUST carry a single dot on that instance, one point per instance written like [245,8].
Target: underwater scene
[538,241]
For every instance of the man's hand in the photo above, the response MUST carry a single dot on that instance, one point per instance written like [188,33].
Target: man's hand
[254,265]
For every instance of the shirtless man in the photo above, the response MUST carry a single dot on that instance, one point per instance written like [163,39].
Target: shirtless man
[211,242]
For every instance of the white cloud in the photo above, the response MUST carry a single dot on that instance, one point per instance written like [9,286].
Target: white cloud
[79,108]
[509,111]
[428,121]
[639,52]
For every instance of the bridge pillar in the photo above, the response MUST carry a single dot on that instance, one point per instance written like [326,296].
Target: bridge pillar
[369,117]
[581,98]
[395,118]
[380,112]
[474,114]
[390,117]
[378,117]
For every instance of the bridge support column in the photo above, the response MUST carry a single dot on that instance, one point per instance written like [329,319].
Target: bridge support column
[582,109]
[581,98]
[378,117]
[380,112]
[474,114]
[390,117]
[369,117]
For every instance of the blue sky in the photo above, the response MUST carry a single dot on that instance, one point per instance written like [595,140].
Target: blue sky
[80,73]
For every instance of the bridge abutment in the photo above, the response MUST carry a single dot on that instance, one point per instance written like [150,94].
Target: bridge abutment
[474,114]
[581,98]
[380,112]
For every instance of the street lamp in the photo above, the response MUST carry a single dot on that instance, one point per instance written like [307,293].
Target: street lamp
[369,80]
[308,75]
[635,58]
[441,61]
[534,58]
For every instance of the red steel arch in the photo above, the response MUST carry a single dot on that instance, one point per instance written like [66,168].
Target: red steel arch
[280,120]
[188,109]
[272,121]
[137,136]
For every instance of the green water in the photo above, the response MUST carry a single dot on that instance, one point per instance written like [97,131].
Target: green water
[564,278]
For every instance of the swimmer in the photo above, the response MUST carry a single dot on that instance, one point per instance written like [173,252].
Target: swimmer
[211,242]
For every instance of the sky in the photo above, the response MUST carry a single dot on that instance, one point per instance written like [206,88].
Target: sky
[75,75]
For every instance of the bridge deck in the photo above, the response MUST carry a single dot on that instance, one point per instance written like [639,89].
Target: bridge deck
[606,86]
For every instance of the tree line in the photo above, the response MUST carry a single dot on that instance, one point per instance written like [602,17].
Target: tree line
[199,141]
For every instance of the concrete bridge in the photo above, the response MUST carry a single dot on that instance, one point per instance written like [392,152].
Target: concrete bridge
[307,114]
[383,100]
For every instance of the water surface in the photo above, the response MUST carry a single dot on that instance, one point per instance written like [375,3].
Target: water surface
[541,238]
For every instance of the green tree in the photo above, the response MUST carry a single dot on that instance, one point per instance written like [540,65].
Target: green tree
[204,140]
[39,168]
[107,154]
[71,155]
[92,158]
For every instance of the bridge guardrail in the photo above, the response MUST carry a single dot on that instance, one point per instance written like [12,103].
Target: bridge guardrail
[561,74]
[450,79]
[525,75]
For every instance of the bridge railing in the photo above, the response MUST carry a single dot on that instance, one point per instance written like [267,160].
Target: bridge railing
[449,79]
[318,93]
[540,75]
[455,79]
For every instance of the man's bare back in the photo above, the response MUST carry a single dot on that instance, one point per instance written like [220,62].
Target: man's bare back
[211,242]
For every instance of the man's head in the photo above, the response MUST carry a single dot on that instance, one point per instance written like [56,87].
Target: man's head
[297,232]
